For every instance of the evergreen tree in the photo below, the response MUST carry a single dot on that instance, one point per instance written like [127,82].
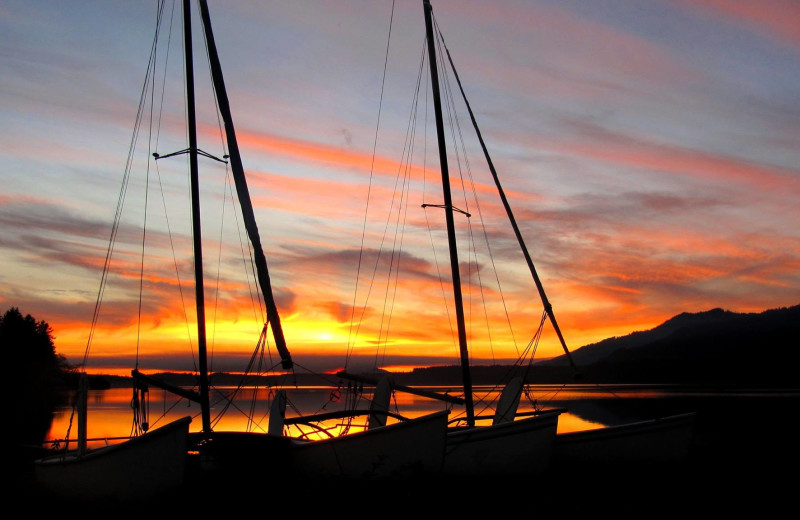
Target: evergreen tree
[34,371]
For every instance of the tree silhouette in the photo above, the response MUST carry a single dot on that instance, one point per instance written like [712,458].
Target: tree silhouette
[34,372]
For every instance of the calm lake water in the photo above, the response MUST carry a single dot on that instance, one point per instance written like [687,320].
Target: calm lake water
[587,406]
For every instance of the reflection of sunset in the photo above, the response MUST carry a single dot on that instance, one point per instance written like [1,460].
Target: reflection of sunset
[110,415]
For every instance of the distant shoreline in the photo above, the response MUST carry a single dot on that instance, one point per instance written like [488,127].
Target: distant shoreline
[223,380]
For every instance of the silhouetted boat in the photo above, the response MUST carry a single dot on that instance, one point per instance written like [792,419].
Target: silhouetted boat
[139,468]
[142,468]
[404,448]
[660,441]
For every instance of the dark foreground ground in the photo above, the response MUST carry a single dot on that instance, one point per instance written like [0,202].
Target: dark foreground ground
[744,460]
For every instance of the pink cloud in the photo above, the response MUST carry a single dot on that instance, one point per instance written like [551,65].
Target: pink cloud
[779,19]
[576,49]
[623,150]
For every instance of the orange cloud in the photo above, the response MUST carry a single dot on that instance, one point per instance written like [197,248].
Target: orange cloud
[328,155]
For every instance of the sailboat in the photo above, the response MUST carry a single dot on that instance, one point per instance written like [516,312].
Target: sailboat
[406,447]
[513,444]
[506,446]
[503,443]
[650,442]
[141,468]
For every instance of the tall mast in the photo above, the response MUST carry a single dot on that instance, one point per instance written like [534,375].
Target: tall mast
[198,242]
[242,191]
[448,211]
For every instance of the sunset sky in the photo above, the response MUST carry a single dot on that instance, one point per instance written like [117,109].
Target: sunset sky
[649,150]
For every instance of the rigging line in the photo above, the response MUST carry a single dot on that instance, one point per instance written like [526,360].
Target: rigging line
[480,288]
[326,377]
[451,99]
[233,394]
[144,227]
[257,385]
[146,200]
[164,412]
[403,173]
[164,75]
[402,216]
[545,302]
[380,250]
[121,197]
[188,165]
[351,345]
[230,404]
[531,347]
[270,400]
[229,190]
[216,284]
[258,313]
[245,257]
[534,343]
[224,195]
[229,398]
[456,135]
[452,236]
[253,399]
[163,199]
[427,220]
[424,194]
[407,180]
[457,138]
[455,127]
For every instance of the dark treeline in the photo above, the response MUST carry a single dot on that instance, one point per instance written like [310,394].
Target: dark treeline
[35,376]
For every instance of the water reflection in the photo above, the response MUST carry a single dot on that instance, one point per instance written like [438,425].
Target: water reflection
[588,406]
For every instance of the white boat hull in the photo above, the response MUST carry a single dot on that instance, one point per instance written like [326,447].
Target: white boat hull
[516,448]
[410,448]
[140,468]
[655,441]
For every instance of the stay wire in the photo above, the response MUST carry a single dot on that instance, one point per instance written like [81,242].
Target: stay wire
[380,250]
[402,178]
[350,340]
[123,191]
[144,217]
[397,252]
[117,214]
[163,199]
[473,265]
[448,91]
[475,124]
[440,276]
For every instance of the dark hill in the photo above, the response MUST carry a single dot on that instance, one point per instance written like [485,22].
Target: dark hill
[712,347]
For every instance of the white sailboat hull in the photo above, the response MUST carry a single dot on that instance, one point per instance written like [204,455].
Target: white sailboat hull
[521,447]
[655,441]
[411,448]
[141,468]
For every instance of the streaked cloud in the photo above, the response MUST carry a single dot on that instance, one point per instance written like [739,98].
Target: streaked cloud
[649,154]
